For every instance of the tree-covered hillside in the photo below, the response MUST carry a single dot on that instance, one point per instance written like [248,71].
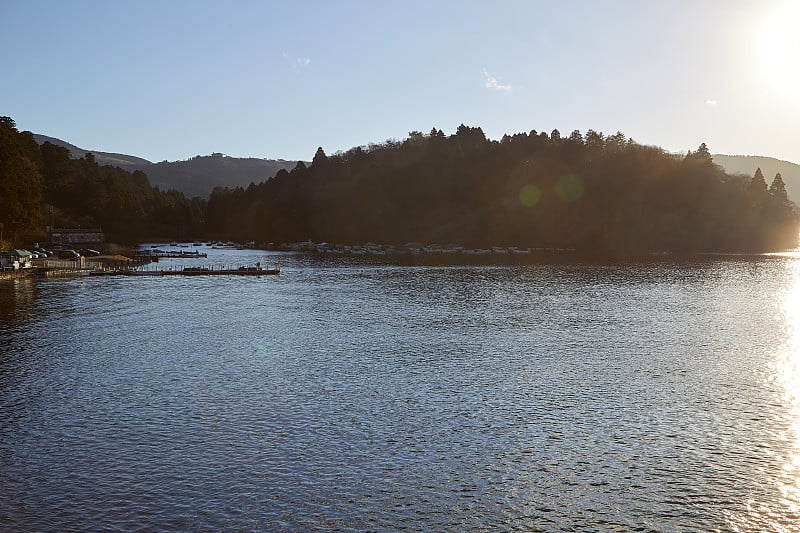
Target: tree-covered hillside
[747,164]
[597,193]
[199,175]
[196,176]
[43,185]
[124,161]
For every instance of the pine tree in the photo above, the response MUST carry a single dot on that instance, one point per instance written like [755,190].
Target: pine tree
[758,186]
[20,182]
[702,152]
[319,158]
[701,155]
[778,188]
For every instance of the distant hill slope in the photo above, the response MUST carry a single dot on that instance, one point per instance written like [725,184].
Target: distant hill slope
[199,175]
[194,177]
[103,158]
[747,164]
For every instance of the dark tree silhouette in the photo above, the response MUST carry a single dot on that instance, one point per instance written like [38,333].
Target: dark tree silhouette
[596,193]
[319,158]
[20,180]
[81,191]
[600,194]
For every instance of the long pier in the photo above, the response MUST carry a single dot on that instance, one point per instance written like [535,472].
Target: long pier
[58,268]
[192,271]
[176,254]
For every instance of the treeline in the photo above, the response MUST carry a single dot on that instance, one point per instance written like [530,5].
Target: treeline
[42,185]
[597,193]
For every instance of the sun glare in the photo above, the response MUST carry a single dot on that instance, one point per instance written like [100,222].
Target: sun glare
[778,48]
[789,374]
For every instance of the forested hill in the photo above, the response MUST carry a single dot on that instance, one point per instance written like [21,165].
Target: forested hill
[199,175]
[193,177]
[747,164]
[45,185]
[127,162]
[597,193]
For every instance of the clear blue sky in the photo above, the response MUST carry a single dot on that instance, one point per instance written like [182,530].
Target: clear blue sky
[171,79]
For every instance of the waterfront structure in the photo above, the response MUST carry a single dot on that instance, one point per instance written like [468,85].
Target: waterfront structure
[73,236]
[15,259]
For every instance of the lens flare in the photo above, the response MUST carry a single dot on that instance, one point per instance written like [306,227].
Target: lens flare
[529,195]
[569,187]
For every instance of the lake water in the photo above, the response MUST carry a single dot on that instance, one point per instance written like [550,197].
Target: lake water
[349,396]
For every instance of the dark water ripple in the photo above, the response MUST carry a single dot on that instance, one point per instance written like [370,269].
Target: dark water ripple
[360,397]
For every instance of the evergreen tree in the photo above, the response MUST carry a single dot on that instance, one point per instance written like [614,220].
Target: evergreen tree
[758,186]
[703,153]
[594,140]
[20,181]
[778,189]
[319,158]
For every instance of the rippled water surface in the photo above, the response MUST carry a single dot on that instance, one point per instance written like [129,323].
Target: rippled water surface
[655,396]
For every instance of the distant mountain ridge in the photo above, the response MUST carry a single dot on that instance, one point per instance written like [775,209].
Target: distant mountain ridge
[126,162]
[747,164]
[197,176]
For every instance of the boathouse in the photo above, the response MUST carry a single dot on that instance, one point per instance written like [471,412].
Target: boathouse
[16,259]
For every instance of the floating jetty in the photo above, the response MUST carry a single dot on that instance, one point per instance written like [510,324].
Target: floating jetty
[178,254]
[192,271]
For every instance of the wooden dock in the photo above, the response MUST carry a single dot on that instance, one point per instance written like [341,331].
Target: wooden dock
[175,254]
[192,271]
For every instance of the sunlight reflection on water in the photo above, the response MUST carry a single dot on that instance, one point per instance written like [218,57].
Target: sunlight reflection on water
[790,375]
[783,515]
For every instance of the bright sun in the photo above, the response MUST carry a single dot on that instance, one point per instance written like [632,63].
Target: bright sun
[778,42]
